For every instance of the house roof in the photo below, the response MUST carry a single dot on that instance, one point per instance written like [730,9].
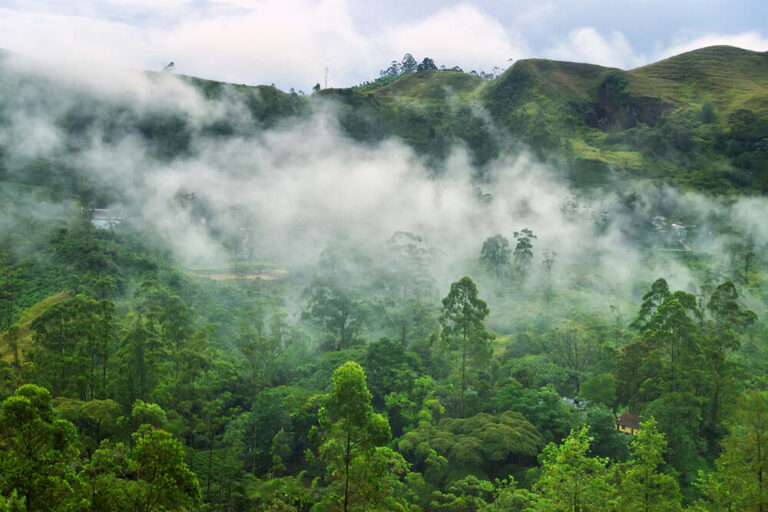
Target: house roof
[628,420]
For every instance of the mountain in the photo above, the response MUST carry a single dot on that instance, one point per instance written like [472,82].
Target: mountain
[697,120]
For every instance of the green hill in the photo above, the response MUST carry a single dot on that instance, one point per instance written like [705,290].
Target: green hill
[697,120]
[729,77]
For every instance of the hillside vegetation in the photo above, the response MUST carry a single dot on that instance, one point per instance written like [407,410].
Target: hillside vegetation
[699,119]
[432,292]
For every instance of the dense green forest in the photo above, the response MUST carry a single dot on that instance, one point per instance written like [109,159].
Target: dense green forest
[230,298]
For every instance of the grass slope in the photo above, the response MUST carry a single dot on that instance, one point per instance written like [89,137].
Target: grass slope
[430,87]
[729,77]
[648,122]
[24,333]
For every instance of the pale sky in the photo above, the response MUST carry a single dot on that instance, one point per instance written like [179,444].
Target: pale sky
[290,42]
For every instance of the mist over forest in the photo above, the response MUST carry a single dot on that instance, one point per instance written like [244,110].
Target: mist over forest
[232,282]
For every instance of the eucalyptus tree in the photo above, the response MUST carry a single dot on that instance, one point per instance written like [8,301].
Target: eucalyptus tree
[573,481]
[362,470]
[644,486]
[463,330]
[523,253]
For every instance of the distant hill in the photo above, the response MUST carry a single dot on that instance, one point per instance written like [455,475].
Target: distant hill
[697,120]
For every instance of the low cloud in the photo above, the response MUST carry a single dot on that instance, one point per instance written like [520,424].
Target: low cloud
[291,191]
[587,45]
[287,42]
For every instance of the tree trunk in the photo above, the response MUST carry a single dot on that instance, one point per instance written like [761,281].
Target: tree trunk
[346,465]
[760,470]
[210,462]
[463,375]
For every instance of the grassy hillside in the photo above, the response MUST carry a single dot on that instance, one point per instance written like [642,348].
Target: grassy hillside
[729,77]
[430,87]
[17,341]
[696,119]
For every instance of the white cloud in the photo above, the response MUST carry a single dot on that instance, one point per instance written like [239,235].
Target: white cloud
[460,35]
[288,42]
[586,44]
[752,40]
[71,38]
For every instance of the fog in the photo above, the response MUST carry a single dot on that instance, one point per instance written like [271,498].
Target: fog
[288,192]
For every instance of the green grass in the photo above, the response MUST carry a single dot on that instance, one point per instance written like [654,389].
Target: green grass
[631,160]
[24,335]
[429,87]
[727,76]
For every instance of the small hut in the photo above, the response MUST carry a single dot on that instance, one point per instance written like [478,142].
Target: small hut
[628,423]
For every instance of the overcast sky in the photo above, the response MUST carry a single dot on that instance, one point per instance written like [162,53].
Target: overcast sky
[290,42]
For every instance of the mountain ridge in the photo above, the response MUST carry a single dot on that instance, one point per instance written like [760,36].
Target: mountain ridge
[696,120]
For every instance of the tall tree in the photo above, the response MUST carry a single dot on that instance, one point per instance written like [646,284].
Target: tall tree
[463,329]
[721,336]
[673,326]
[407,64]
[548,263]
[576,349]
[353,436]
[496,253]
[408,286]
[70,345]
[37,452]
[571,480]
[523,253]
[262,346]
[741,480]
[336,312]
[651,301]
[166,481]
[743,257]
[644,486]
[426,65]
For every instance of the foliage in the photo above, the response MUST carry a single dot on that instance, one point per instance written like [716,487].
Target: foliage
[644,485]
[571,479]
[175,391]
[362,472]
[496,253]
[463,331]
[38,452]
